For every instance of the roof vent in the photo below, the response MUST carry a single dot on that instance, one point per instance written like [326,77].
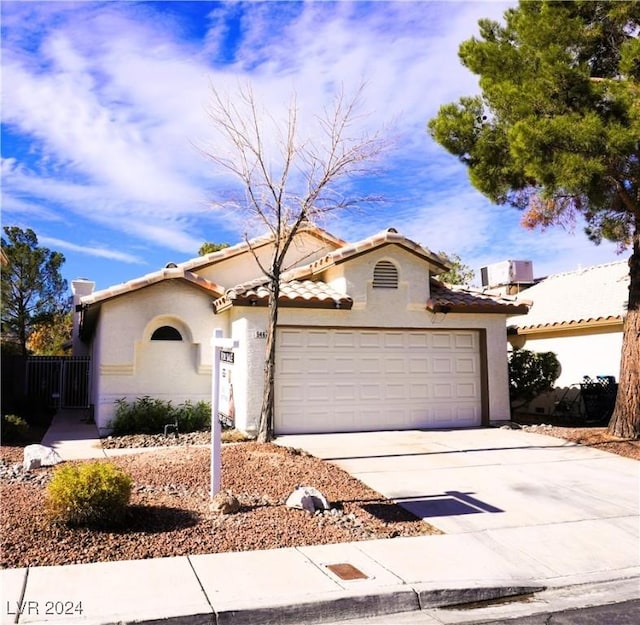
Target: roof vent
[385,275]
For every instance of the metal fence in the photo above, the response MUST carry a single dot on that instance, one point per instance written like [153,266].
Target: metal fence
[61,381]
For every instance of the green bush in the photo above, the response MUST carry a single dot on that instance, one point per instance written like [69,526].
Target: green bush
[148,415]
[96,493]
[145,415]
[530,374]
[193,417]
[14,429]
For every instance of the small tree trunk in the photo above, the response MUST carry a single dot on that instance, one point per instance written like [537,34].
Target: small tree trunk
[265,428]
[625,421]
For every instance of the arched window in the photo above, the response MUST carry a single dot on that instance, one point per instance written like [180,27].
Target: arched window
[166,333]
[385,275]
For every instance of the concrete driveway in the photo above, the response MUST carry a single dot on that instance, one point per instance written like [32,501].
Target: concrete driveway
[519,490]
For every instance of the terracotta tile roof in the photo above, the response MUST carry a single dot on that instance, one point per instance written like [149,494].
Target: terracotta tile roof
[294,293]
[239,248]
[447,298]
[386,237]
[593,295]
[186,270]
[169,273]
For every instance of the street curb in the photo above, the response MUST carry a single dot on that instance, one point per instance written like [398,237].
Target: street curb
[451,597]
[342,608]
[410,599]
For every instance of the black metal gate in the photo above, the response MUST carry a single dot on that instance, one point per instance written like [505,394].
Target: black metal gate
[61,381]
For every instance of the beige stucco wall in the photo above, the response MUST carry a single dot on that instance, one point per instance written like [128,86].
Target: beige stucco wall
[130,365]
[586,352]
[248,325]
[356,276]
[244,267]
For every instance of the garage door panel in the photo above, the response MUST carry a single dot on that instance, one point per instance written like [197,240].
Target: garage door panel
[370,392]
[441,340]
[394,340]
[370,340]
[292,393]
[418,364]
[441,391]
[345,365]
[394,365]
[354,380]
[370,366]
[318,366]
[395,392]
[317,392]
[345,392]
[466,365]
[464,340]
[318,339]
[417,340]
[442,365]
[290,339]
[344,339]
[419,390]
[466,391]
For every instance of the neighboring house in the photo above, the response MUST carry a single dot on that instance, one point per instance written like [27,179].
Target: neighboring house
[579,316]
[367,338]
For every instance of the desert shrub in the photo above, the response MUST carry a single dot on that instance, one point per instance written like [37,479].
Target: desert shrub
[148,415]
[231,435]
[96,493]
[14,429]
[192,417]
[530,374]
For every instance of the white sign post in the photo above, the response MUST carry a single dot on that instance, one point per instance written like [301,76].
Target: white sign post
[218,344]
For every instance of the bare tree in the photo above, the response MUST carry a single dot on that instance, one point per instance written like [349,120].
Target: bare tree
[288,180]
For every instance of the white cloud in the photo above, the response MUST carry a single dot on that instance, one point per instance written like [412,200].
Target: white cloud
[89,250]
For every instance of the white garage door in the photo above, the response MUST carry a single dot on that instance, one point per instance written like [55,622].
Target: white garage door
[357,380]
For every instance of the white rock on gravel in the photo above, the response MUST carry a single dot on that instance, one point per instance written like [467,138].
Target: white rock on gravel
[36,456]
[307,498]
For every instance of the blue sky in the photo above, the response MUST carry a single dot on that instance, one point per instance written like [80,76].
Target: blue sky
[104,115]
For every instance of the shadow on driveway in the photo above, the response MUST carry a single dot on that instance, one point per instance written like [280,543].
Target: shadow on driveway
[449,503]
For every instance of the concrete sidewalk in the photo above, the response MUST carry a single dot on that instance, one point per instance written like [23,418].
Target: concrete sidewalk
[522,511]
[287,586]
[76,438]
[73,436]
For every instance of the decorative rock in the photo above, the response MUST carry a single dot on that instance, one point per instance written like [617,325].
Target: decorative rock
[224,502]
[36,456]
[307,498]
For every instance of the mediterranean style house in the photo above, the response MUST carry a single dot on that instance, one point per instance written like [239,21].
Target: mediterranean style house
[367,338]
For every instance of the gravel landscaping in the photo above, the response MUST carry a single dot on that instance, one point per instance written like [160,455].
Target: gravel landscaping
[169,513]
[170,516]
[591,437]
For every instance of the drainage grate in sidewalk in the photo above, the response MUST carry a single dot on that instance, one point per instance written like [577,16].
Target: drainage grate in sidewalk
[346,571]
